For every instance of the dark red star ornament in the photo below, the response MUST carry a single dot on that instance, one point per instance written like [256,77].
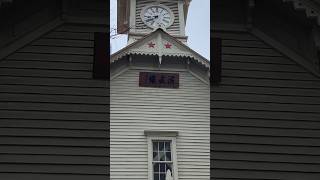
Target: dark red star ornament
[151,45]
[168,46]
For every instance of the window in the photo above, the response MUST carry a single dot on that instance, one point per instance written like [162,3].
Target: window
[162,158]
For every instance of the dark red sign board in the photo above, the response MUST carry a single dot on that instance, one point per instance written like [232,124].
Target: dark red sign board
[159,80]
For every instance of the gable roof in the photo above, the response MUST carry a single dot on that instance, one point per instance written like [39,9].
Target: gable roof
[161,44]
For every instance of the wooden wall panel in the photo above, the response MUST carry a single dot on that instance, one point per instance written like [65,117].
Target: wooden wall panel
[54,120]
[264,115]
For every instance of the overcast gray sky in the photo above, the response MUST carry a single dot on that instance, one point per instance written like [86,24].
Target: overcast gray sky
[197,28]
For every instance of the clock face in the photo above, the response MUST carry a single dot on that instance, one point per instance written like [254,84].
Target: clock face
[157,16]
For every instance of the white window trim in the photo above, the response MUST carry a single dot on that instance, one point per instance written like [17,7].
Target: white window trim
[162,135]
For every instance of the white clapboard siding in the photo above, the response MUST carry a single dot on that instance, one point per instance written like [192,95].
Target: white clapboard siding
[135,109]
[265,114]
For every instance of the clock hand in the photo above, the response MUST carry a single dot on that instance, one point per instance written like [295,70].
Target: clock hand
[150,19]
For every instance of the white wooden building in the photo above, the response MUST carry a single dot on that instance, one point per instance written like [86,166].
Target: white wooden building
[159,97]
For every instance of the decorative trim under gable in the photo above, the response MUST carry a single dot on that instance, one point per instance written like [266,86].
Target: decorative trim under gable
[310,8]
[161,44]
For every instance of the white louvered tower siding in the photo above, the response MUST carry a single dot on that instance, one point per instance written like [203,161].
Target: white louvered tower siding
[135,109]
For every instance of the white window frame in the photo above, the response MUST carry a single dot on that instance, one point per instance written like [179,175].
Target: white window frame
[162,136]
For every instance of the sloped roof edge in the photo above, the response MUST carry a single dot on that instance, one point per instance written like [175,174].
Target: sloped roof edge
[25,39]
[285,51]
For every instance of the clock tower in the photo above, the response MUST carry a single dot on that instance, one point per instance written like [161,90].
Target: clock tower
[138,18]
